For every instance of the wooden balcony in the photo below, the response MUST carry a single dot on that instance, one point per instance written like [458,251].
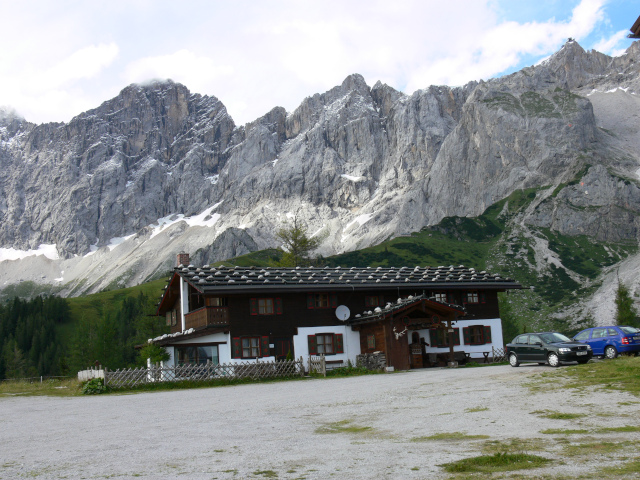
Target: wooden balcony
[207,316]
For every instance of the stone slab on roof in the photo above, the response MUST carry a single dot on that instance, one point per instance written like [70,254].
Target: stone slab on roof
[208,278]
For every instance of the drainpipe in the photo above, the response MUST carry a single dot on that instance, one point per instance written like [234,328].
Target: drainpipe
[184,305]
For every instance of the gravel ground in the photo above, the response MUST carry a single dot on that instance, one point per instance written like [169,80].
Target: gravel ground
[300,429]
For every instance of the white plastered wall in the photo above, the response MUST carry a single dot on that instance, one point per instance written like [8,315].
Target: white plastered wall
[475,351]
[351,342]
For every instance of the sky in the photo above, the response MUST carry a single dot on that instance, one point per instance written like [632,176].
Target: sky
[58,59]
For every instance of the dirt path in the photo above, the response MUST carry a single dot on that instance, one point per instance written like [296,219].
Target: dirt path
[356,428]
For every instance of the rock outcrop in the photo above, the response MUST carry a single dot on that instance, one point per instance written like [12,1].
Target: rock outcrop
[359,163]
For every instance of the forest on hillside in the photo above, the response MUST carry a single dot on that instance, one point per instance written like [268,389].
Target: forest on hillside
[44,336]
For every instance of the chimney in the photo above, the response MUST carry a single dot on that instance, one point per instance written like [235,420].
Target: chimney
[182,259]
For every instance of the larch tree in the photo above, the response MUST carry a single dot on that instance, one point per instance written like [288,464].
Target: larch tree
[297,245]
[626,313]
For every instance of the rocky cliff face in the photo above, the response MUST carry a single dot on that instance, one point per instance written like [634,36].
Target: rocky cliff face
[168,170]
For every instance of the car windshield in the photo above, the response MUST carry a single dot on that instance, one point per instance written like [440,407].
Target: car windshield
[554,337]
[629,329]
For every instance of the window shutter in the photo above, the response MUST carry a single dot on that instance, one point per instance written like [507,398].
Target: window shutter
[264,347]
[465,334]
[313,346]
[254,306]
[278,306]
[310,301]
[456,336]
[465,297]
[339,344]
[168,316]
[236,348]
[381,301]
[450,297]
[482,297]
[487,334]
[432,337]
[333,300]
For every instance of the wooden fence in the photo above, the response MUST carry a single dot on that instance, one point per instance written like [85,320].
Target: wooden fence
[318,365]
[132,377]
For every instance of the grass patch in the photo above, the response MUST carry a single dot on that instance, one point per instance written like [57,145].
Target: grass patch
[558,415]
[594,448]
[69,387]
[564,431]
[628,428]
[266,473]
[476,409]
[622,373]
[498,462]
[513,445]
[627,467]
[449,437]
[343,426]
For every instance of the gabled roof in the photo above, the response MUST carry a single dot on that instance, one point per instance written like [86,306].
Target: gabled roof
[635,29]
[405,305]
[223,280]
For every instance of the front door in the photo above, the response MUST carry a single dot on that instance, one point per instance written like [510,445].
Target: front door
[282,348]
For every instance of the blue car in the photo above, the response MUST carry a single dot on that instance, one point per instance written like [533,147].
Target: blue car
[611,341]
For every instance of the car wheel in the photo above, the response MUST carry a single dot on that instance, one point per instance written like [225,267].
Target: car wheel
[513,360]
[554,361]
[610,352]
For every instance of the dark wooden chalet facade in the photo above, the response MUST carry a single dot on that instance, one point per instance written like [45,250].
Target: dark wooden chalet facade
[237,314]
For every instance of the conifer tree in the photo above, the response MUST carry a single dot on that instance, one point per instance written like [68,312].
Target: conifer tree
[626,313]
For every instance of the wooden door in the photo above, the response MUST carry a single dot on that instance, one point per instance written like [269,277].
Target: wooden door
[282,347]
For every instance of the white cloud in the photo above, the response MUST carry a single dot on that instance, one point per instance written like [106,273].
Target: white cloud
[84,63]
[611,46]
[503,45]
[254,56]
[184,66]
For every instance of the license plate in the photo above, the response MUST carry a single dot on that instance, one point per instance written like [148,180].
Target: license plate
[581,353]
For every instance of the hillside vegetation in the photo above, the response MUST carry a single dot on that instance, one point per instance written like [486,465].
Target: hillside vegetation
[557,271]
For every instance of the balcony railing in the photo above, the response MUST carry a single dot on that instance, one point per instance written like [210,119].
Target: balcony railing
[206,316]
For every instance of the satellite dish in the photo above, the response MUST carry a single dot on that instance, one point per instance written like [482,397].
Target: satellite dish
[342,312]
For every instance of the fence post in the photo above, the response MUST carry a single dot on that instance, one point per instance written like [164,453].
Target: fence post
[324,365]
[301,366]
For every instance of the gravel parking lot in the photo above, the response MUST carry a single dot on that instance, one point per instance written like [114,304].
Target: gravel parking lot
[316,428]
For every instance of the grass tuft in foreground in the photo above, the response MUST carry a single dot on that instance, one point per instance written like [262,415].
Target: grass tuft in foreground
[449,437]
[498,462]
[343,426]
[55,388]
[622,373]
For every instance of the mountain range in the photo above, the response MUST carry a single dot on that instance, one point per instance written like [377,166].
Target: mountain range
[108,199]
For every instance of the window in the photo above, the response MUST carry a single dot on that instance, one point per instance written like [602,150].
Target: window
[472,296]
[321,300]
[172,318]
[534,339]
[583,336]
[325,344]
[196,355]
[440,337]
[250,347]
[372,301]
[481,335]
[599,333]
[522,339]
[266,306]
[217,302]
[371,341]
[441,297]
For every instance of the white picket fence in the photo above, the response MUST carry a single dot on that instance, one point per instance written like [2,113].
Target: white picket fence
[131,377]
